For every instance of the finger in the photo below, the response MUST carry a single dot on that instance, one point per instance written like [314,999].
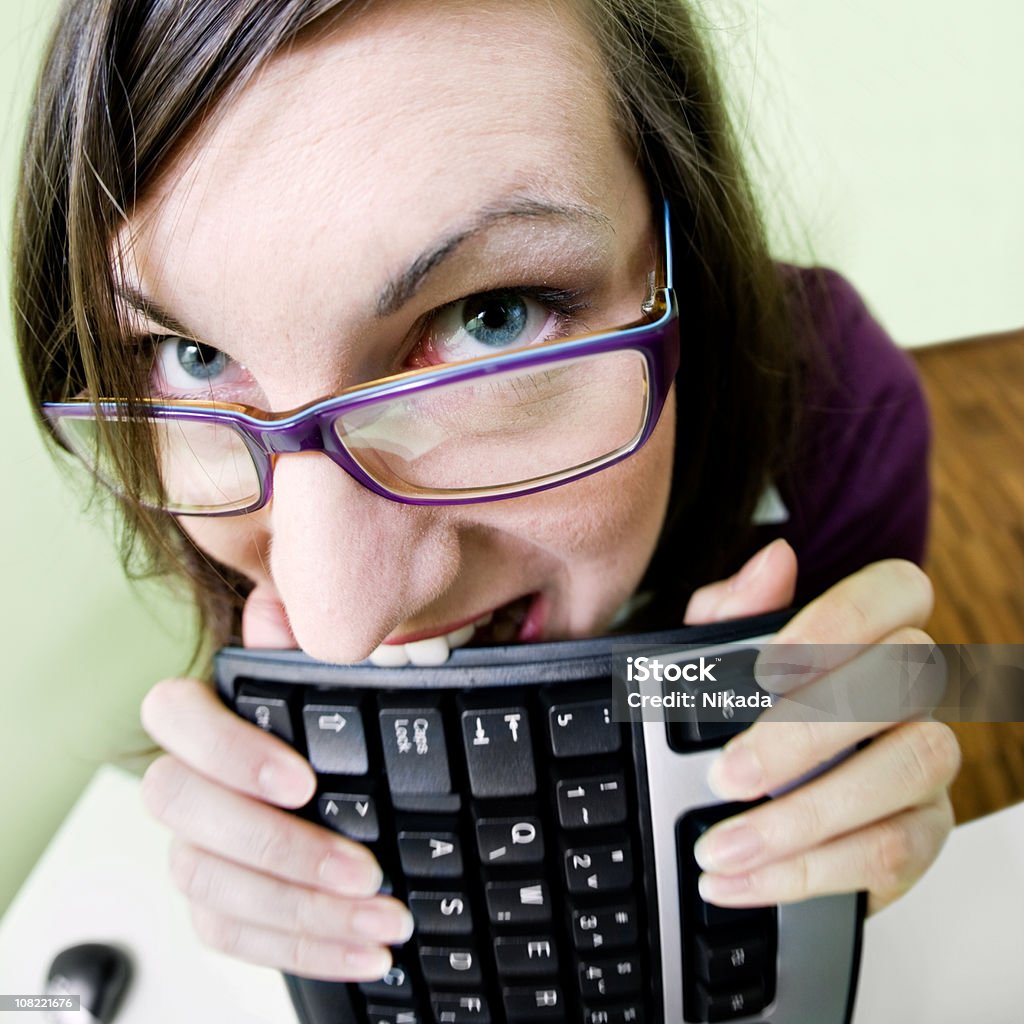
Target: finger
[907,766]
[766,583]
[294,953]
[233,891]
[864,607]
[185,717]
[264,620]
[255,835]
[905,672]
[813,724]
[885,859]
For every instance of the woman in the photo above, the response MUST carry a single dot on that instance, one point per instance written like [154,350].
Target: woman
[267,203]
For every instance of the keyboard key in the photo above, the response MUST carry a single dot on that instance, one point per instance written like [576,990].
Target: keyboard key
[598,868]
[335,738]
[604,927]
[621,1013]
[513,903]
[441,913]
[591,802]
[427,803]
[737,1002]
[430,854]
[688,830]
[396,984]
[723,961]
[510,841]
[451,1008]
[520,955]
[498,752]
[583,728]
[615,977]
[415,754]
[270,713]
[527,1003]
[446,965]
[352,814]
[393,1015]
[713,720]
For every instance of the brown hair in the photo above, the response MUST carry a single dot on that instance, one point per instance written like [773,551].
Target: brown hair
[127,82]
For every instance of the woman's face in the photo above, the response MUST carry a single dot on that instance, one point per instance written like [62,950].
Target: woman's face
[454,148]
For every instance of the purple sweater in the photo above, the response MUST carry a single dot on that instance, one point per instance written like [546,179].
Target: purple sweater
[859,489]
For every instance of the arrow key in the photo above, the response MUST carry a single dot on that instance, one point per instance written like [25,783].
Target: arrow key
[352,814]
[335,737]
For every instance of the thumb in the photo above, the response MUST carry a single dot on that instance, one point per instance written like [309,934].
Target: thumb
[264,620]
[766,583]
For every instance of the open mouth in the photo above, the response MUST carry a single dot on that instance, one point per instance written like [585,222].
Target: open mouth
[519,621]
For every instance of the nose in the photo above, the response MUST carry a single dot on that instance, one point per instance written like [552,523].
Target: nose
[349,565]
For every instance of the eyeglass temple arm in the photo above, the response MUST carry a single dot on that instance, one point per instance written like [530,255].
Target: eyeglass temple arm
[653,286]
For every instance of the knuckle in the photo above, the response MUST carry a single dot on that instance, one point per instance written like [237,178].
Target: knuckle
[809,824]
[187,871]
[929,756]
[947,750]
[308,912]
[910,635]
[274,850]
[895,856]
[164,700]
[804,742]
[912,581]
[162,786]
[300,955]
[801,877]
[218,932]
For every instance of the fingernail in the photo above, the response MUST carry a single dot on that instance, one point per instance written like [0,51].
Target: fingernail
[388,924]
[750,571]
[285,782]
[351,876]
[736,774]
[729,847]
[370,964]
[715,888]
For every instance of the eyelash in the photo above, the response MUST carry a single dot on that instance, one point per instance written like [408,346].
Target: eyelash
[566,304]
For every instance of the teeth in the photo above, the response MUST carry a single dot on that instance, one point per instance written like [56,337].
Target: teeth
[432,651]
[390,656]
[461,637]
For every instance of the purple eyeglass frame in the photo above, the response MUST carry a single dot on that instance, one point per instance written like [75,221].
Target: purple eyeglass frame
[310,428]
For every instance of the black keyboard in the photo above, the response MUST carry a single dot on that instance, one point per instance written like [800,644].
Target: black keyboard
[543,845]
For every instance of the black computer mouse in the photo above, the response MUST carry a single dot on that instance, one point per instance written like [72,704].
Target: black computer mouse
[99,973]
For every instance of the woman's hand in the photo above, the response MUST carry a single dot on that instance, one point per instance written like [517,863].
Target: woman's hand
[264,885]
[878,819]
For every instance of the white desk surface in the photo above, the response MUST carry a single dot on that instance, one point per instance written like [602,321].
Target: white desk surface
[948,952]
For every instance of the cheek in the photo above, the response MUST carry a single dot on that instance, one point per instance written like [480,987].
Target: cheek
[239,542]
[614,516]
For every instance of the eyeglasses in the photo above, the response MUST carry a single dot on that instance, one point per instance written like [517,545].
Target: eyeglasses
[474,431]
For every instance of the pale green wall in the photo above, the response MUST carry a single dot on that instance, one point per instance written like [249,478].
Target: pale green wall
[892,134]
[892,140]
[78,645]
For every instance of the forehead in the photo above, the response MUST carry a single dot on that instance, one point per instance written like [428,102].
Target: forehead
[381,130]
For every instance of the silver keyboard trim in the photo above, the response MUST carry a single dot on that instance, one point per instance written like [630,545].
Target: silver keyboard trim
[817,938]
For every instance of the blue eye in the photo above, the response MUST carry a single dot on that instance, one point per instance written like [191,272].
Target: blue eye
[186,368]
[199,361]
[497,319]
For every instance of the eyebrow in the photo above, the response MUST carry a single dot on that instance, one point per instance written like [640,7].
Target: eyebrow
[401,288]
[152,310]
